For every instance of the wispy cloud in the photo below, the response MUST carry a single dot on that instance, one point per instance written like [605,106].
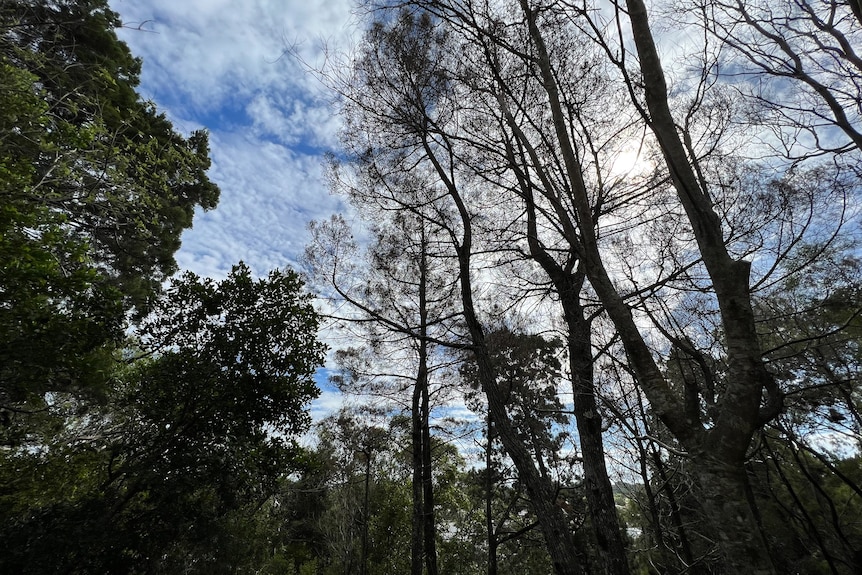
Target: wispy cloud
[234,68]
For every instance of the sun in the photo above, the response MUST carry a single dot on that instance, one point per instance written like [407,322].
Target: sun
[628,162]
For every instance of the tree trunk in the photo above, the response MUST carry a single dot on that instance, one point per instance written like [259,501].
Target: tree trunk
[600,497]
[555,528]
[424,533]
[363,567]
[416,485]
[428,515]
[722,487]
[489,499]
[543,495]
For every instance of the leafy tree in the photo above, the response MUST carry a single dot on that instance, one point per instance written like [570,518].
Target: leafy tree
[529,373]
[367,508]
[96,188]
[193,438]
[123,179]
[807,504]
[401,312]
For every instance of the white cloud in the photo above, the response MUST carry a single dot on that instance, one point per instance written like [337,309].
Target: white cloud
[207,54]
[223,66]
[269,194]
[328,403]
[294,121]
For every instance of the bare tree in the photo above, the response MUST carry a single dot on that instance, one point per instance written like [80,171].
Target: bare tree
[400,104]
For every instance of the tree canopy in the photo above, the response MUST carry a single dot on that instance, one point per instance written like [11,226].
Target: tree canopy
[96,188]
[684,279]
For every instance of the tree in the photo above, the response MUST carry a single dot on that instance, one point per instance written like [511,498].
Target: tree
[124,180]
[751,396]
[96,189]
[529,373]
[532,112]
[809,45]
[399,113]
[192,440]
[400,308]
[367,495]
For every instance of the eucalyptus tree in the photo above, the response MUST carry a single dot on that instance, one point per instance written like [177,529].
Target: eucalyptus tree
[750,395]
[400,114]
[474,145]
[395,294]
[398,304]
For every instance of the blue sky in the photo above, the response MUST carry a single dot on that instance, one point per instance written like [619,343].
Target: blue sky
[224,66]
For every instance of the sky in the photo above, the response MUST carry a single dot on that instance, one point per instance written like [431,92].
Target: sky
[236,68]
[239,69]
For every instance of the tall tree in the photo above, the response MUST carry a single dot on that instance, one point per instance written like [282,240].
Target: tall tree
[400,112]
[401,308]
[529,372]
[96,189]
[536,79]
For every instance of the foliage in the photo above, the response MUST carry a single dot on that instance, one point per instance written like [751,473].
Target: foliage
[124,181]
[95,189]
[719,290]
[193,438]
[529,372]
[151,458]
